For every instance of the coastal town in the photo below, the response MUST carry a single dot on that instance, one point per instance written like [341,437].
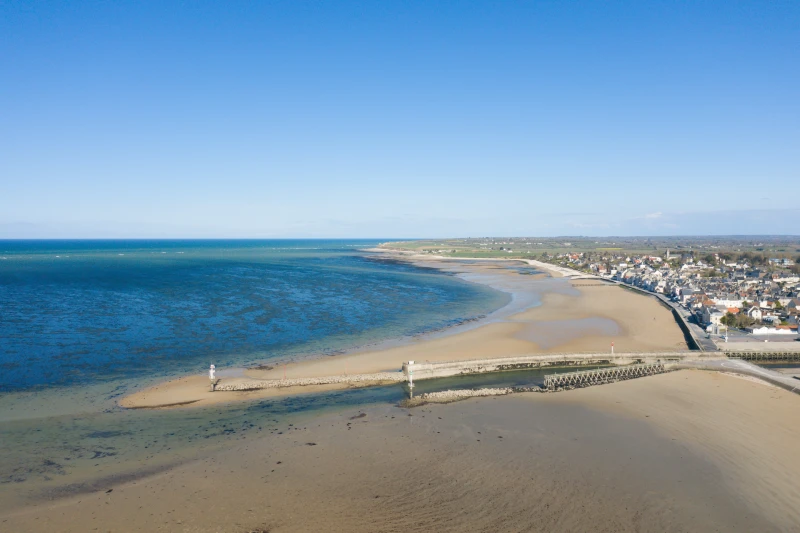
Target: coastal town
[744,296]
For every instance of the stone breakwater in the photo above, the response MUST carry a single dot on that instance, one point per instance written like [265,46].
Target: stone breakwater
[380,377]
[455,395]
[449,396]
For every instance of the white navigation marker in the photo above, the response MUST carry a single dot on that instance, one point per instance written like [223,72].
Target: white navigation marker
[410,380]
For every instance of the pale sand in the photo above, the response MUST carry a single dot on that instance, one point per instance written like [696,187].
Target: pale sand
[644,324]
[685,451]
[581,317]
[748,428]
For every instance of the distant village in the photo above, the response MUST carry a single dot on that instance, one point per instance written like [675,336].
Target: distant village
[747,293]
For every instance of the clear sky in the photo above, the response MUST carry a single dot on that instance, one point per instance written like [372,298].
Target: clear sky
[398,119]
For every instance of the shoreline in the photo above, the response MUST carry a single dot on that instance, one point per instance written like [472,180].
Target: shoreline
[545,314]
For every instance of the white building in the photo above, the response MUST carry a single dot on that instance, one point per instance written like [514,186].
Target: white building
[766,330]
[754,313]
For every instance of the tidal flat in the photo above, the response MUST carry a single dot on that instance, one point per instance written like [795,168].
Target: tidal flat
[684,451]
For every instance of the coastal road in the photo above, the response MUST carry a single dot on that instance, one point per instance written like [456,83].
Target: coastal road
[700,336]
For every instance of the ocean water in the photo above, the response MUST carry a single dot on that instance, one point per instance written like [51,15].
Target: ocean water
[77,312]
[83,322]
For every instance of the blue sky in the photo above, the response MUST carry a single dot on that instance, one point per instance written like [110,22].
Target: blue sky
[398,119]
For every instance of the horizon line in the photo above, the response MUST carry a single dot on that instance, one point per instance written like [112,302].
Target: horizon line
[675,236]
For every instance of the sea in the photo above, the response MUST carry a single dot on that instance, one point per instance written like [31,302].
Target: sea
[77,312]
[84,322]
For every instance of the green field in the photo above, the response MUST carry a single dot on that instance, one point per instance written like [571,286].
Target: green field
[764,247]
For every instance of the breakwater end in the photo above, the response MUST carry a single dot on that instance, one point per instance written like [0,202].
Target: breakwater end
[433,370]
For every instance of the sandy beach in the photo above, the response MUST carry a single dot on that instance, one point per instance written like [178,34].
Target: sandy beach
[546,314]
[684,451]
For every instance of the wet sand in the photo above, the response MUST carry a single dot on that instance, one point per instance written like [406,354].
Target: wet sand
[685,451]
[545,315]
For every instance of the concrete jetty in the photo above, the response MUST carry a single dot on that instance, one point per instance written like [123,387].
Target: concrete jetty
[622,365]
[356,379]
[428,370]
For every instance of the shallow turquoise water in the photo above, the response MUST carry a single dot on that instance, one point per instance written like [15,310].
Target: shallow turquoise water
[94,450]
